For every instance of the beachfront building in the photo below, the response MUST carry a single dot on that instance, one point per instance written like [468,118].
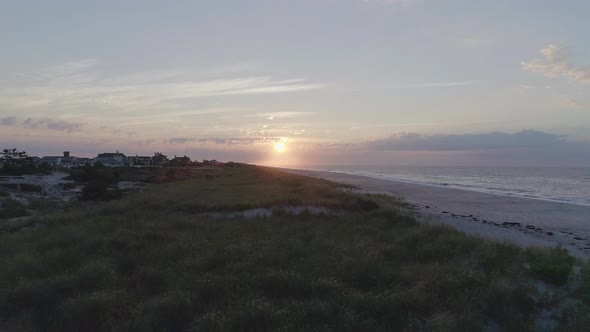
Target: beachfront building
[140,161]
[116,159]
[159,159]
[180,161]
[65,161]
[83,162]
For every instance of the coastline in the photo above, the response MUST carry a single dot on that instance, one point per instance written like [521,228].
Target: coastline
[463,186]
[523,221]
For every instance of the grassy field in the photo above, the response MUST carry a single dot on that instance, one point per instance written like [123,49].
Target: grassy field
[157,260]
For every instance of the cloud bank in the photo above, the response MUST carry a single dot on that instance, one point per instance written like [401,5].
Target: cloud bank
[465,142]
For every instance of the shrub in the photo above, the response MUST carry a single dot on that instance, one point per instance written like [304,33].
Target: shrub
[552,265]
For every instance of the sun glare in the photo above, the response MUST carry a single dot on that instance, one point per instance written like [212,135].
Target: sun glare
[280,147]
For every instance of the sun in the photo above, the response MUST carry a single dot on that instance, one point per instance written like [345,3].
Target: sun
[280,147]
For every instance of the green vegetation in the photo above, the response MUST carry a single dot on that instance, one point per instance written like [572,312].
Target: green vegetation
[553,265]
[10,208]
[157,260]
[15,162]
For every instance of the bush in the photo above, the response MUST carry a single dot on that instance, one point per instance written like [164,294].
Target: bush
[552,265]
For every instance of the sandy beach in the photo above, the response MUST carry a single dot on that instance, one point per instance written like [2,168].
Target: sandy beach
[526,222]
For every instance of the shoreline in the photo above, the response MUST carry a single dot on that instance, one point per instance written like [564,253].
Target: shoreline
[520,220]
[452,186]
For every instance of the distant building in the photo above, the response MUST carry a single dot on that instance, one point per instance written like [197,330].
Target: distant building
[83,161]
[211,163]
[180,161]
[159,159]
[65,161]
[116,159]
[140,160]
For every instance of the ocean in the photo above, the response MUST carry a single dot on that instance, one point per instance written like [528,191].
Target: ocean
[556,184]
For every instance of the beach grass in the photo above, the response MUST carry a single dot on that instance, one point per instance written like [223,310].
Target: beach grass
[158,260]
[11,208]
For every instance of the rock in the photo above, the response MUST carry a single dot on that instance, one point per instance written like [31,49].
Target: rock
[549,233]
[510,224]
[447,212]
[475,219]
[530,227]
[578,238]
[426,206]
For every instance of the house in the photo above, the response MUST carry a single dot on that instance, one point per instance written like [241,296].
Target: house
[140,160]
[159,159]
[180,161]
[116,159]
[83,161]
[65,161]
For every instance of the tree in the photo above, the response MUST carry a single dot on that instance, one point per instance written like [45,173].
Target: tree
[12,158]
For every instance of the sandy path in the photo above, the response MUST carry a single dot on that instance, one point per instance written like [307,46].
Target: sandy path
[526,222]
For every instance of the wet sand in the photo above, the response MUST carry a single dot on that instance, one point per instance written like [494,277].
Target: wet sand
[526,222]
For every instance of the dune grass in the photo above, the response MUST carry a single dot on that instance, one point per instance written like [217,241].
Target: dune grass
[10,208]
[155,261]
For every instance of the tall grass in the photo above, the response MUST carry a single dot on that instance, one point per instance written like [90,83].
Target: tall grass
[153,262]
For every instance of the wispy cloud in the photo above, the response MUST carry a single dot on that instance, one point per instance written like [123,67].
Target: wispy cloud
[477,41]
[80,84]
[43,123]
[391,2]
[68,68]
[554,63]
[222,140]
[436,85]
[279,115]
[571,103]
[529,87]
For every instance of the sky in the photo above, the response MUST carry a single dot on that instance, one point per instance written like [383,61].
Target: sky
[341,82]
